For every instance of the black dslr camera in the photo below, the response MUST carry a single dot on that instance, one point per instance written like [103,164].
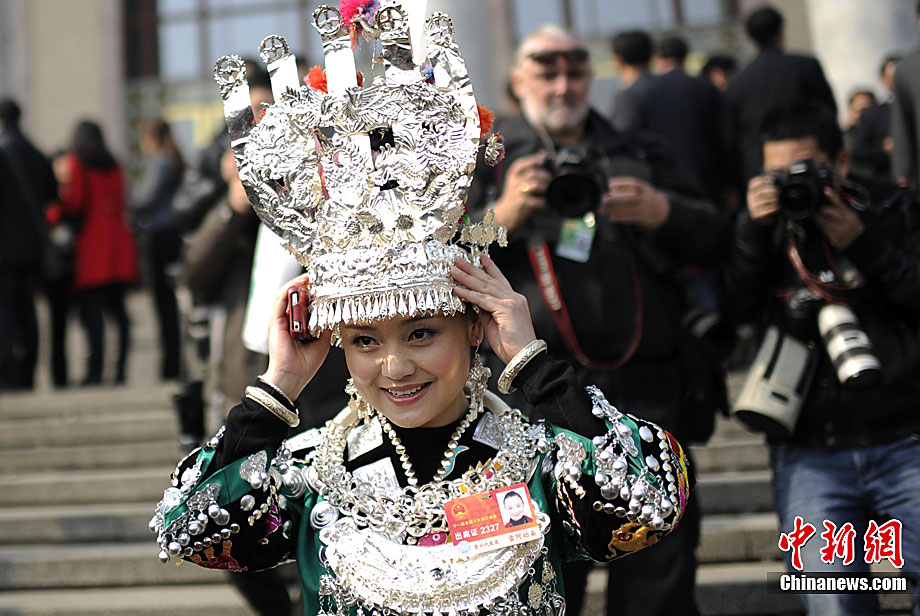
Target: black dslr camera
[577,184]
[801,188]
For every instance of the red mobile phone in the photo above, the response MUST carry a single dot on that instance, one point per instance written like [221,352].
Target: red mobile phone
[298,314]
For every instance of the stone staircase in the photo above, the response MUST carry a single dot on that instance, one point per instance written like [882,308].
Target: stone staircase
[81,470]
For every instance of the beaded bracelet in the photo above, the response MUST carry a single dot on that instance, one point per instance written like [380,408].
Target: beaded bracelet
[276,408]
[517,364]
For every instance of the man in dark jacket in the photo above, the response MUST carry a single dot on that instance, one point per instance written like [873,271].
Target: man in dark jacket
[686,112]
[773,78]
[632,54]
[871,142]
[613,306]
[28,186]
[853,454]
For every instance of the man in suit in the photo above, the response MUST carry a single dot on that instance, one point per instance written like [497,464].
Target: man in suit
[632,54]
[905,118]
[773,78]
[871,143]
[686,112]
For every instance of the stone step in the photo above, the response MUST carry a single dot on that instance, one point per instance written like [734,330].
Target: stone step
[31,567]
[141,485]
[118,425]
[735,453]
[118,522]
[735,492]
[739,538]
[137,601]
[85,457]
[725,538]
[87,401]
[731,492]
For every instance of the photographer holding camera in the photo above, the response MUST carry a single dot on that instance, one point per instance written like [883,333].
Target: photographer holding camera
[837,266]
[599,230]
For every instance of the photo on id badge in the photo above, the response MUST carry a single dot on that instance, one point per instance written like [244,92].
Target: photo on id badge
[515,508]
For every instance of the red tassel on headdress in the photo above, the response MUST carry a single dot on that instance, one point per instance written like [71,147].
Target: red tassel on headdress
[316,79]
[486,118]
[350,8]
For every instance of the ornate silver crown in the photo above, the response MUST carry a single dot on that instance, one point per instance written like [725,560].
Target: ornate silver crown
[366,185]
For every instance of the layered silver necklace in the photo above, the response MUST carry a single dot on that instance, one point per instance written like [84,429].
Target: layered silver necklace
[416,511]
[371,549]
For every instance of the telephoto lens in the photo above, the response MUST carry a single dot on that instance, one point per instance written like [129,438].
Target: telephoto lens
[848,346]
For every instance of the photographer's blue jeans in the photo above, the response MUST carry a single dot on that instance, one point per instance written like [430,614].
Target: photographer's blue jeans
[850,485]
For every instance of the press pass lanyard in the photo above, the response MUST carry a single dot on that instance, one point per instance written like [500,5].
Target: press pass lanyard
[549,287]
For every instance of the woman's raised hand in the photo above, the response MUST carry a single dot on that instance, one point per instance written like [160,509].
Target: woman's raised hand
[506,319]
[291,363]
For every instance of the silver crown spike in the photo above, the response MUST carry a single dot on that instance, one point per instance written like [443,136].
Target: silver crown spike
[281,65]
[399,67]
[416,12]
[341,71]
[450,73]
[230,74]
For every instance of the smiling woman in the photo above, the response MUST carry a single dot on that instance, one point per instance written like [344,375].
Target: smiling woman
[394,506]
[412,370]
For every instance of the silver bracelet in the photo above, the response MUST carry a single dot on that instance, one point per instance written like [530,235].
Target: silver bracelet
[266,401]
[517,364]
[276,389]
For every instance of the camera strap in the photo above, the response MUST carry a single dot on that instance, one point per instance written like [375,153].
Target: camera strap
[549,287]
[825,289]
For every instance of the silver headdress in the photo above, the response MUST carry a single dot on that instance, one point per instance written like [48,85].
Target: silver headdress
[376,226]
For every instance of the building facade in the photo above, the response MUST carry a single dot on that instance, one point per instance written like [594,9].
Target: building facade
[118,61]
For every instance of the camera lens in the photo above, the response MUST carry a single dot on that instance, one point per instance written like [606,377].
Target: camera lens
[572,194]
[797,201]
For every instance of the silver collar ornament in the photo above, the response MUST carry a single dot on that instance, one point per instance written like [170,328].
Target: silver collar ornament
[377,228]
[369,533]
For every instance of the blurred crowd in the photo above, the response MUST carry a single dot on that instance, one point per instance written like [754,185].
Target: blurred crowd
[642,239]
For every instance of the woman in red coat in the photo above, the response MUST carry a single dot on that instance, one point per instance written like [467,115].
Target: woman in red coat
[104,249]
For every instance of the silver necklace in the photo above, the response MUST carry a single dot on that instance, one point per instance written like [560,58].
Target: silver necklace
[417,510]
[446,459]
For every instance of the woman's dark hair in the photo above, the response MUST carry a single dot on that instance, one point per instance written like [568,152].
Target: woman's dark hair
[89,146]
[764,26]
[802,120]
[158,129]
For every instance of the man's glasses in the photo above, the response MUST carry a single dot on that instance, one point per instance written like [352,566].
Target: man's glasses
[550,58]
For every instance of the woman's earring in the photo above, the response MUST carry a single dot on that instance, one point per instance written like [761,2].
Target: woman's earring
[356,402]
[476,384]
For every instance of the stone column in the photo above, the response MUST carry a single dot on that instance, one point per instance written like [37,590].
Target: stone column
[484,36]
[852,37]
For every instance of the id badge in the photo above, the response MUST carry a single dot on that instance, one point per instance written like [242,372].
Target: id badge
[492,520]
[576,237]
